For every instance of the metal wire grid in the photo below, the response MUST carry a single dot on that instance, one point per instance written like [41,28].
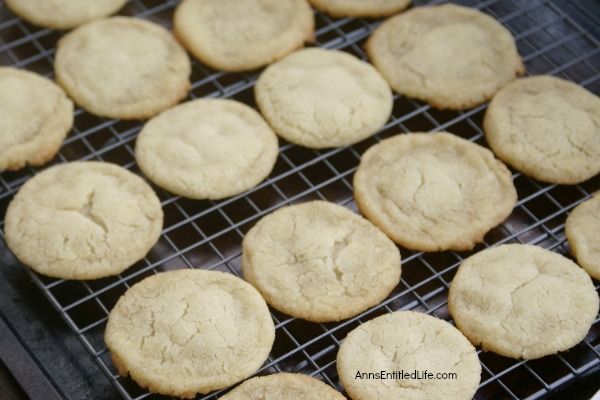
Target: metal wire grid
[207,235]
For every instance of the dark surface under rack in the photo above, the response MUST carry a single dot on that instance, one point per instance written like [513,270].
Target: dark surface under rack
[51,331]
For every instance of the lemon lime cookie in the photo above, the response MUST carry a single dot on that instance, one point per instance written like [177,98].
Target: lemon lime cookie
[63,14]
[433,191]
[360,8]
[283,386]
[582,229]
[323,98]
[240,35]
[36,116]
[320,261]
[83,220]
[522,301]
[185,332]
[207,149]
[122,67]
[450,56]
[408,355]
[546,127]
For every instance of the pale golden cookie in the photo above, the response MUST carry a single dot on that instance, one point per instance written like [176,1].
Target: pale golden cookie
[322,98]
[408,341]
[360,8]
[35,117]
[207,149]
[450,56]
[433,191]
[83,220]
[239,35]
[583,232]
[546,127]
[185,332]
[320,261]
[283,386]
[122,67]
[63,14]
[522,301]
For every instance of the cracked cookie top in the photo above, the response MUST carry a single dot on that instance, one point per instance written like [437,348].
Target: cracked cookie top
[450,56]
[582,228]
[322,98]
[185,332]
[360,8]
[207,149]
[320,261]
[83,220]
[283,386]
[546,127]
[522,301]
[36,117]
[433,191]
[411,343]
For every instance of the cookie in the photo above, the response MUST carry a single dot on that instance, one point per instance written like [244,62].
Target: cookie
[83,220]
[433,191]
[63,14]
[185,332]
[450,56]
[522,301]
[582,229]
[546,127]
[240,35]
[207,149]
[319,261]
[36,116]
[122,67]
[322,98]
[408,355]
[360,8]
[283,386]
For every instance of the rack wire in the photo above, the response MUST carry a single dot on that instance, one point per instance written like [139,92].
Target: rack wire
[208,234]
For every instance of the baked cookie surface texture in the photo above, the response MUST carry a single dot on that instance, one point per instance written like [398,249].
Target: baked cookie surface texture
[322,98]
[320,261]
[185,332]
[122,67]
[546,127]
[450,56]
[83,220]
[522,301]
[583,232]
[433,191]
[360,8]
[207,149]
[240,35]
[283,386]
[408,342]
[63,14]
[35,117]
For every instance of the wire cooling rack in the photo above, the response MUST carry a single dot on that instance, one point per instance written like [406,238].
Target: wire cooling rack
[208,235]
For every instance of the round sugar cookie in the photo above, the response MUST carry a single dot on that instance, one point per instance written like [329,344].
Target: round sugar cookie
[522,301]
[546,127]
[122,67]
[322,98]
[207,149]
[185,332]
[583,232]
[63,14]
[240,35]
[35,117]
[320,261]
[433,191]
[283,386]
[83,220]
[408,342]
[450,56]
[360,8]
